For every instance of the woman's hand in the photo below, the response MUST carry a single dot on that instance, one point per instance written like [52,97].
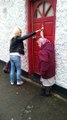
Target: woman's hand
[42,33]
[38,30]
[42,29]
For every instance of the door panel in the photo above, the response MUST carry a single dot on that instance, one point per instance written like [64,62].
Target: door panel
[48,29]
[43,14]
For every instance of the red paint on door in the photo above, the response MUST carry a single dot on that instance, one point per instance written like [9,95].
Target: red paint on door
[42,13]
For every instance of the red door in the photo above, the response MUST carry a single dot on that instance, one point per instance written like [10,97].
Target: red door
[42,14]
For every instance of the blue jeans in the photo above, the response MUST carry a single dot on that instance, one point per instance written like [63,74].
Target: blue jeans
[15,64]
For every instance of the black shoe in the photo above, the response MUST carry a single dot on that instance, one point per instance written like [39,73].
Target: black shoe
[42,93]
[48,91]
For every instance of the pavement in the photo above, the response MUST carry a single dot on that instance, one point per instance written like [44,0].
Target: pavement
[25,103]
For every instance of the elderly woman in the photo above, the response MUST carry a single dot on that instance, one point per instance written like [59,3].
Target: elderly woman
[16,49]
[46,64]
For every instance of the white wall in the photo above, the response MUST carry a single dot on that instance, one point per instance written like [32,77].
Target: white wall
[61,43]
[12,13]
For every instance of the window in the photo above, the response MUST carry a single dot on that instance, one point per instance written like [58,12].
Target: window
[44,9]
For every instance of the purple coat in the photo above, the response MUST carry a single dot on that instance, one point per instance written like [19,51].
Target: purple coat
[47,60]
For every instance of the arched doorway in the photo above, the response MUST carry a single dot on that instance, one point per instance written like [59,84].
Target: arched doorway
[41,13]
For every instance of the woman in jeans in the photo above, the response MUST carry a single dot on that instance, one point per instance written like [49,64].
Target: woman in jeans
[16,49]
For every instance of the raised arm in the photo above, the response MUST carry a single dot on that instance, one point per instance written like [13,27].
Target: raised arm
[19,39]
[42,32]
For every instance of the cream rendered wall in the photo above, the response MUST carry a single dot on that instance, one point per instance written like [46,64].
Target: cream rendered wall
[61,43]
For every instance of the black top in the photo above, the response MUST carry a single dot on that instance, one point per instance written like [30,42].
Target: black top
[17,42]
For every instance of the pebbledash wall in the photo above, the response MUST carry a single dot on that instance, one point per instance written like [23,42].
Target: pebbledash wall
[14,13]
[61,43]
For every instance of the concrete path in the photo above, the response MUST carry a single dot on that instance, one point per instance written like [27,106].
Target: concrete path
[25,103]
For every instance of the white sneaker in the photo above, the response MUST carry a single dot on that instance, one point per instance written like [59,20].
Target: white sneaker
[20,83]
[12,83]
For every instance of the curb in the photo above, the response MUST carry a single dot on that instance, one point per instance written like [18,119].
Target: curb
[36,84]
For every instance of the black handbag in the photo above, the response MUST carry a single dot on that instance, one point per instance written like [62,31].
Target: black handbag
[6,68]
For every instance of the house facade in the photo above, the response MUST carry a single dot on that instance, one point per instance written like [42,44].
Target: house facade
[31,15]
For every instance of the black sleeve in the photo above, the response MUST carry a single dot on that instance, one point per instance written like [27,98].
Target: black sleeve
[20,39]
